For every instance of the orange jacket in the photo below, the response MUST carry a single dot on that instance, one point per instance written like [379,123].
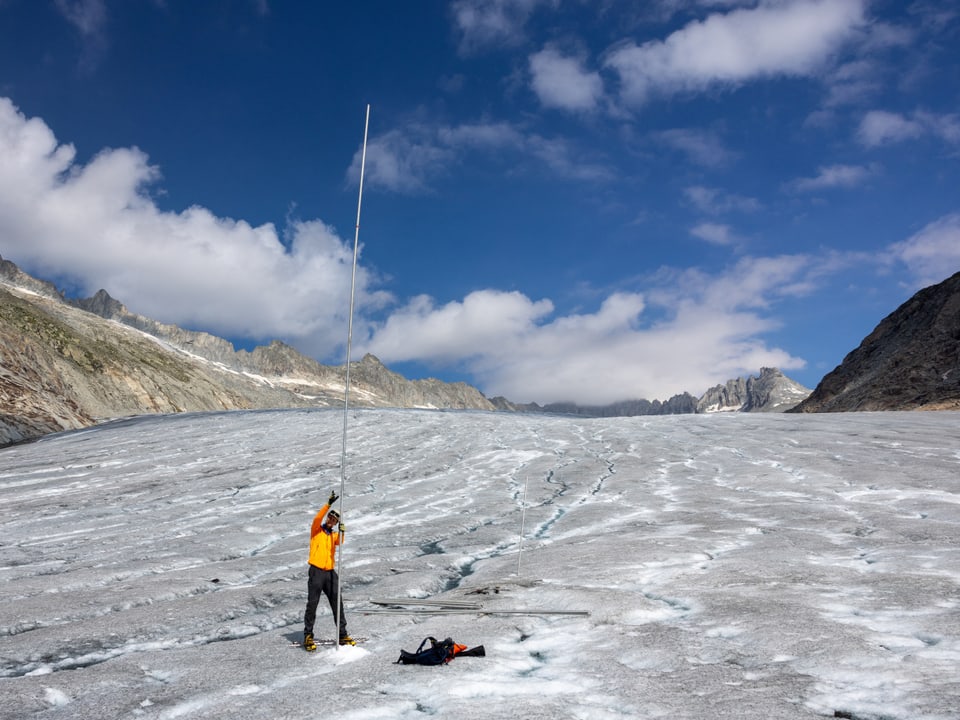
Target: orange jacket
[323,545]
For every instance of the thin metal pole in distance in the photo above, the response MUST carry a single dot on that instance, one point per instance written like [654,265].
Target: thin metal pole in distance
[346,384]
[523,515]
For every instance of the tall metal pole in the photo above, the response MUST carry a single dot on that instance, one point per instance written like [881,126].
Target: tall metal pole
[346,384]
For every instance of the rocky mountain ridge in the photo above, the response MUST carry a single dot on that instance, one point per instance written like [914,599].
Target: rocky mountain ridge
[771,391]
[68,364]
[681,404]
[63,366]
[911,360]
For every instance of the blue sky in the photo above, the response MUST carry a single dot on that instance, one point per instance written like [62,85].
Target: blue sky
[563,199]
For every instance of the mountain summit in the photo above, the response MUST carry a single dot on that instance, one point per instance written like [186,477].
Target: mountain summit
[911,361]
[771,391]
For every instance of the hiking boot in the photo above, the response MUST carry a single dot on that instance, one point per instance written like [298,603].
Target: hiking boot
[308,644]
[347,640]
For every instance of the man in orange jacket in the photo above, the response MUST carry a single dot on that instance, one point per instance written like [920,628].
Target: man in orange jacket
[322,577]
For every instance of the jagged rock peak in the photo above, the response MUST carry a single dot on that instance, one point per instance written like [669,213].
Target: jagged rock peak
[103,305]
[730,397]
[11,274]
[770,391]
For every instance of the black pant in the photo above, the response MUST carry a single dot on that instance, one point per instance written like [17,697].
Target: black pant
[325,582]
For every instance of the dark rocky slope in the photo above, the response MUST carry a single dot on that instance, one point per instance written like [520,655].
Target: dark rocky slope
[911,361]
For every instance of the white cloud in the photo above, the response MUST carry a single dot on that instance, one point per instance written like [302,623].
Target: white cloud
[933,254]
[89,18]
[774,39]
[852,82]
[880,127]
[686,334]
[714,233]
[408,161]
[563,83]
[402,162]
[458,330]
[945,127]
[492,23]
[756,282]
[834,176]
[96,225]
[716,202]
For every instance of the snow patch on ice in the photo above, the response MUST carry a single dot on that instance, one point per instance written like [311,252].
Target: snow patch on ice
[55,698]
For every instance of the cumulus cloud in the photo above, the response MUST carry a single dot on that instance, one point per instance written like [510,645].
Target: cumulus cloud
[879,127]
[716,202]
[563,83]
[410,160]
[714,233]
[96,226]
[726,49]
[853,82]
[933,254]
[492,23]
[402,162]
[680,335]
[457,330]
[834,176]
[946,127]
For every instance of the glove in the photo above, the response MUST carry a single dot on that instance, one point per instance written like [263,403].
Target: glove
[333,498]
[341,527]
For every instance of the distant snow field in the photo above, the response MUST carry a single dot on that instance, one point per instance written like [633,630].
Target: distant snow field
[732,566]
